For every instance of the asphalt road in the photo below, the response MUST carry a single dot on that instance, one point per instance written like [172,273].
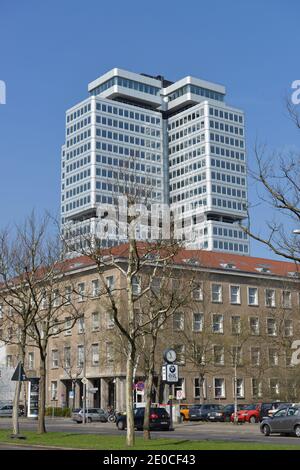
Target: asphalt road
[191,431]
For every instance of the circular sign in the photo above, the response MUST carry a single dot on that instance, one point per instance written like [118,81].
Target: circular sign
[140,386]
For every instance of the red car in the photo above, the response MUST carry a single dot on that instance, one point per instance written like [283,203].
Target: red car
[250,414]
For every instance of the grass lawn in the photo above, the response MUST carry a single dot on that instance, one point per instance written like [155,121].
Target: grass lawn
[101,442]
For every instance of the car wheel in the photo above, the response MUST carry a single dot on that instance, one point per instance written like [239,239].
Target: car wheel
[121,425]
[266,430]
[297,430]
[252,419]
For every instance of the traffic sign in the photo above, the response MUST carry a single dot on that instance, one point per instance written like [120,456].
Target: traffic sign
[179,395]
[170,373]
[93,389]
[19,374]
[84,380]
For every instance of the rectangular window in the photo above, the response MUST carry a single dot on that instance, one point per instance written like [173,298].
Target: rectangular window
[68,295]
[54,358]
[256,388]
[56,299]
[95,288]
[197,386]
[136,285]
[197,292]
[236,355]
[198,319]
[219,388]
[81,292]
[110,282]
[9,361]
[95,321]
[81,325]
[110,320]
[155,285]
[180,352]
[273,357]
[67,357]
[252,296]
[95,354]
[54,390]
[178,321]
[109,353]
[270,298]
[235,296]
[80,356]
[286,299]
[68,326]
[218,321]
[271,327]
[216,293]
[255,356]
[31,360]
[274,388]
[254,325]
[288,328]
[218,355]
[236,325]
[238,389]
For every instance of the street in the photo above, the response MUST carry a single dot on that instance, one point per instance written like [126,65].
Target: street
[187,431]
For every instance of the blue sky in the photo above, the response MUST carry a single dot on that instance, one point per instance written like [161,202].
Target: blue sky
[49,51]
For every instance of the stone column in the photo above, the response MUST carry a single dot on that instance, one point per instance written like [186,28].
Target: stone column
[120,394]
[103,393]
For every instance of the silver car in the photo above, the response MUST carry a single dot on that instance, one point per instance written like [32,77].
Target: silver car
[92,414]
[286,420]
[6,410]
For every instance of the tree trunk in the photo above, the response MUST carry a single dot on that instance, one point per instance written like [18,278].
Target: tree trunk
[42,396]
[15,418]
[130,438]
[149,384]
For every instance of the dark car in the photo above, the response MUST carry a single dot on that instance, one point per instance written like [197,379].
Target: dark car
[202,412]
[159,419]
[225,413]
[269,408]
[286,420]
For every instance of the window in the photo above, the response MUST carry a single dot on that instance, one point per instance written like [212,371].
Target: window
[109,353]
[95,354]
[255,356]
[80,356]
[68,295]
[81,289]
[155,285]
[1,311]
[9,361]
[197,382]
[68,326]
[271,327]
[288,359]
[95,321]
[31,360]
[136,285]
[95,288]
[274,387]
[252,296]
[235,296]
[256,388]
[288,328]
[55,358]
[56,302]
[219,388]
[254,325]
[218,355]
[273,357]
[67,357]
[197,292]
[286,299]
[180,387]
[81,325]
[180,352]
[178,321]
[270,298]
[198,319]
[110,320]
[216,293]
[110,282]
[236,325]
[239,388]
[218,323]
[54,390]
[236,355]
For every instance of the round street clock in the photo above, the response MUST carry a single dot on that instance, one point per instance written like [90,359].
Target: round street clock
[170,355]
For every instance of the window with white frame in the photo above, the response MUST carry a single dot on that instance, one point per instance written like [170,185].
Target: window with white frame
[252,296]
[236,325]
[254,325]
[270,298]
[81,292]
[288,359]
[180,387]
[235,294]
[68,326]
[31,360]
[197,382]
[288,328]
[273,357]
[95,354]
[286,299]
[110,282]
[56,298]
[110,319]
[109,353]
[81,325]
[178,321]
[218,323]
[80,355]
[44,301]
[216,293]
[54,358]
[219,388]
[68,295]
[238,388]
[54,390]
[236,355]
[274,387]
[155,285]
[136,285]
[95,321]
[197,292]
[95,288]
[198,320]
[219,357]
[256,386]
[180,353]
[67,357]
[271,327]
[255,356]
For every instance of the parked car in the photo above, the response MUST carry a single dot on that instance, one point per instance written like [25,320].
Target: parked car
[225,413]
[200,412]
[286,420]
[248,414]
[6,410]
[184,411]
[269,408]
[92,414]
[159,419]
